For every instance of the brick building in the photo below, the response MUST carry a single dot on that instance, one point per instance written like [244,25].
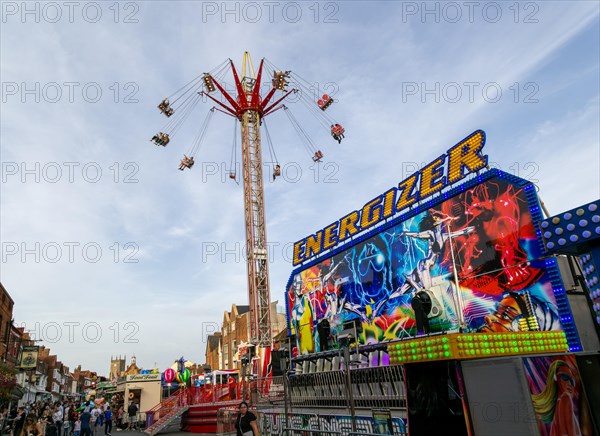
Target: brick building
[214,351]
[8,341]
[235,329]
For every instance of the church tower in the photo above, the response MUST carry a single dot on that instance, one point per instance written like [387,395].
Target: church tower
[117,367]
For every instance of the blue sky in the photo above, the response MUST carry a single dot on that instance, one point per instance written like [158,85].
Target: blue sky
[544,57]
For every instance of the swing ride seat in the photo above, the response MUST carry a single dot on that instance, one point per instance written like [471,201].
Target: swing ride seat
[208,83]
[186,162]
[161,139]
[337,129]
[276,172]
[165,107]
[279,81]
[325,102]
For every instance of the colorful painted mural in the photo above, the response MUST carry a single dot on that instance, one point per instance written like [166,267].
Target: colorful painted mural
[471,262]
[558,397]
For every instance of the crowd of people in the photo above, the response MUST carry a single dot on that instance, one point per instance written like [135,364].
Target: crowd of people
[64,418]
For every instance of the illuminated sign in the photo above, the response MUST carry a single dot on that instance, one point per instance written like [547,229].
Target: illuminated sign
[143,377]
[460,160]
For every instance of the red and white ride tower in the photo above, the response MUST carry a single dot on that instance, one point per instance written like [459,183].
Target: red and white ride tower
[247,105]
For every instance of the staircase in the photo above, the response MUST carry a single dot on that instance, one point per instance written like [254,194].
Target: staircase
[166,412]
[202,405]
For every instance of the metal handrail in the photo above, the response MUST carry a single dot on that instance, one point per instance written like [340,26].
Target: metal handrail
[304,430]
[356,433]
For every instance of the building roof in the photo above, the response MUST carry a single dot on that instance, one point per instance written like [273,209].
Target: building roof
[242,309]
[214,341]
[3,289]
[230,316]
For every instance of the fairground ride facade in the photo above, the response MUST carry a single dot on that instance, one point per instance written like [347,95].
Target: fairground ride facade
[446,305]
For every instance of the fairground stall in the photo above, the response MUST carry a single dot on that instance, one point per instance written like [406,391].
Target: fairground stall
[445,305]
[441,307]
[143,390]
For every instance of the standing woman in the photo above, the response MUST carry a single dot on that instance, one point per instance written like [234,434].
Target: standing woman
[45,419]
[32,426]
[120,417]
[245,422]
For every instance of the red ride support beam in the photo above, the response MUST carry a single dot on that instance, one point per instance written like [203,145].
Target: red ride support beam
[243,102]
[278,101]
[228,97]
[267,98]
[255,99]
[225,106]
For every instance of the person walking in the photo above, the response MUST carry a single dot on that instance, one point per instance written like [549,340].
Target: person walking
[57,417]
[107,421]
[66,421]
[120,416]
[97,421]
[84,421]
[18,421]
[73,416]
[132,412]
[77,428]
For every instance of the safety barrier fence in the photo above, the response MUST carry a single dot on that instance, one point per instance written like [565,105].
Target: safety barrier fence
[343,402]
[350,390]
[303,424]
[371,388]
